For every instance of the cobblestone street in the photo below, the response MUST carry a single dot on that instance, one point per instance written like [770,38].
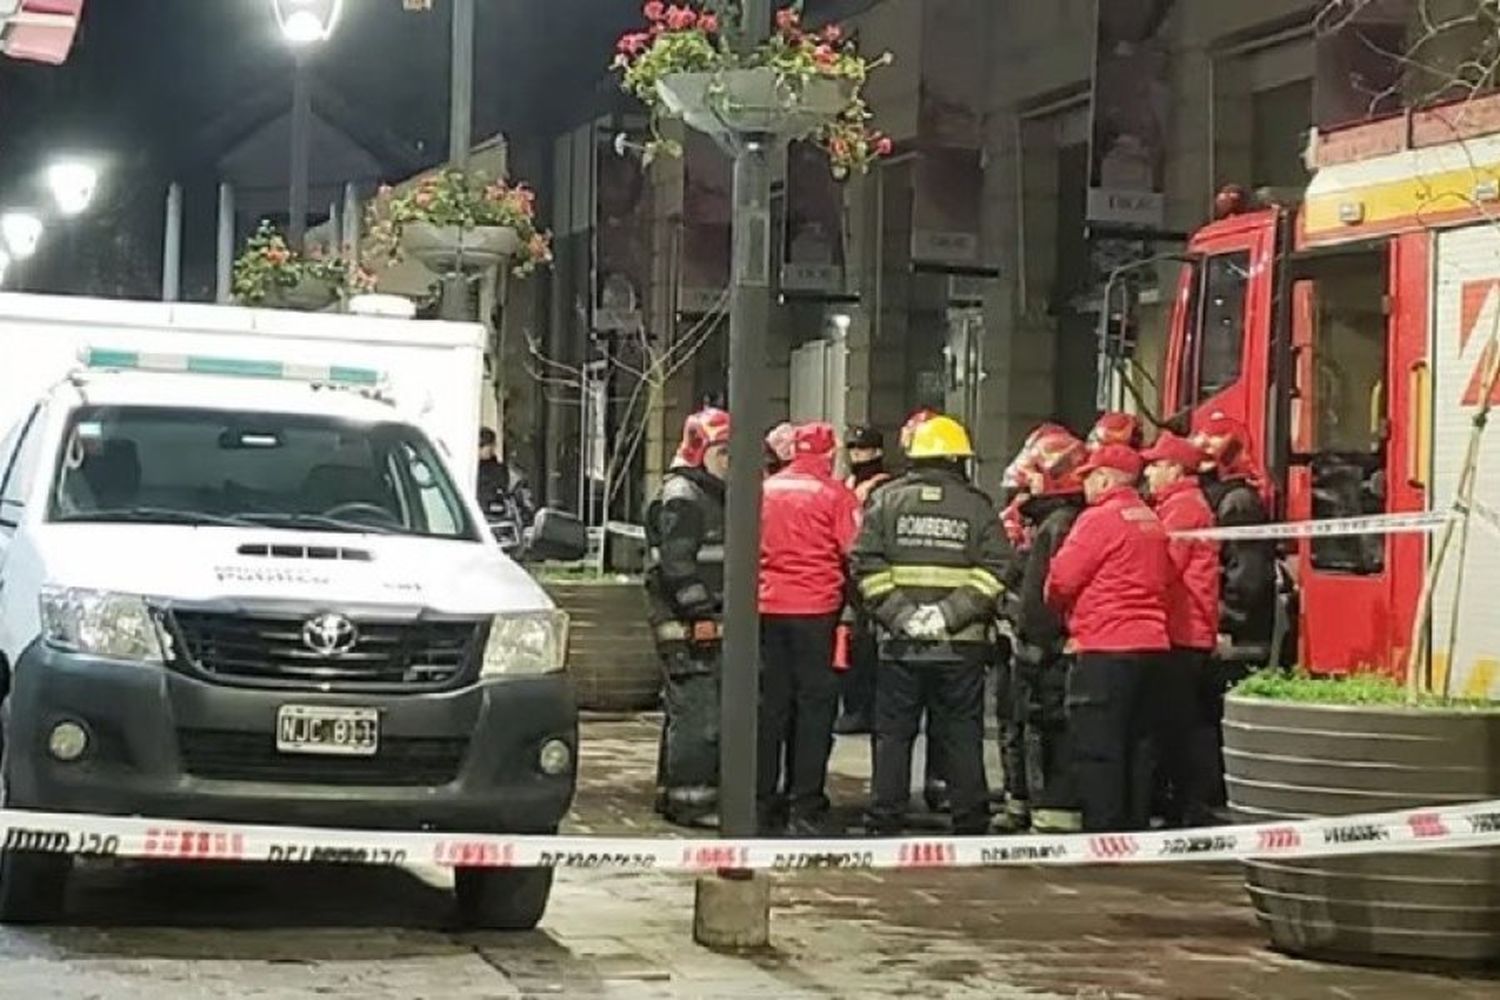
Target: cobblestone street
[176,933]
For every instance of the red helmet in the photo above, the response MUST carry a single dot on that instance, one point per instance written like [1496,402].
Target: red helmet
[1056,457]
[701,431]
[1224,440]
[816,438]
[1117,428]
[781,442]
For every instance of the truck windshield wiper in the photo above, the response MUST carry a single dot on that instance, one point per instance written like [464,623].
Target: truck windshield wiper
[309,521]
[157,515]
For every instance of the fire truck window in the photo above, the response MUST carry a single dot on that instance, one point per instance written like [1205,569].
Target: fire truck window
[1221,347]
[1349,409]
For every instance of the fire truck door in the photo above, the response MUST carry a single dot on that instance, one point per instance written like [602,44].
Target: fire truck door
[1218,360]
[1358,366]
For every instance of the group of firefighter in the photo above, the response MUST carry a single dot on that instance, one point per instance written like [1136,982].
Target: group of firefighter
[1112,629]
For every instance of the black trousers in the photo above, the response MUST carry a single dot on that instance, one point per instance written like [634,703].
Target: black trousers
[1216,679]
[1173,687]
[1013,710]
[952,694]
[689,754]
[857,684]
[1109,735]
[1050,761]
[799,700]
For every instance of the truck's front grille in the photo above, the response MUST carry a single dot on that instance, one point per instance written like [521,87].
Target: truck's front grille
[225,755]
[273,652]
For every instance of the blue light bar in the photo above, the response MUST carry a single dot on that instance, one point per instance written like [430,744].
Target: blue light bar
[197,364]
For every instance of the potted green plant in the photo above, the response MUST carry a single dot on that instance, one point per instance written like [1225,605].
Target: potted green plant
[1298,746]
[799,83]
[456,221]
[271,274]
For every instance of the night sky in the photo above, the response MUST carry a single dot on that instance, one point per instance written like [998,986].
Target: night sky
[158,86]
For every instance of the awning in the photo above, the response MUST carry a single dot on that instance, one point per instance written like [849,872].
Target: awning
[39,30]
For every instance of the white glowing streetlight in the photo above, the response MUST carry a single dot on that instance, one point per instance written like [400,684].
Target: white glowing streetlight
[21,232]
[73,184]
[307,22]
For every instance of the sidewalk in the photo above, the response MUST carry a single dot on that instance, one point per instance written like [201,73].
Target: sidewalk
[1182,932]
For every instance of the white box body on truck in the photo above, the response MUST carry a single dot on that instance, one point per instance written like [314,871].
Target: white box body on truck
[245,578]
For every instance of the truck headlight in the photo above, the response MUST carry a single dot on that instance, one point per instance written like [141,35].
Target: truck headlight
[100,623]
[535,642]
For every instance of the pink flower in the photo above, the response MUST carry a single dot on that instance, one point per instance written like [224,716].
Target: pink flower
[539,248]
[681,18]
[709,22]
[824,56]
[884,146]
[839,148]
[633,44]
[832,33]
[787,19]
[655,10]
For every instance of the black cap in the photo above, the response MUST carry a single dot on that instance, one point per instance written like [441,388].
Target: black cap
[861,436]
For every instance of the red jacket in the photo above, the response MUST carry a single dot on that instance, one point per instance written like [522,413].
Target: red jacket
[808,524]
[1109,579]
[1193,598]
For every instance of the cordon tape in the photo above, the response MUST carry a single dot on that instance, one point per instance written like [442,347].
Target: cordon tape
[1446,827]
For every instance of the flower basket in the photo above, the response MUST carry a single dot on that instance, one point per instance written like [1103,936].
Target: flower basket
[309,295]
[459,249]
[754,100]
[800,82]
[457,221]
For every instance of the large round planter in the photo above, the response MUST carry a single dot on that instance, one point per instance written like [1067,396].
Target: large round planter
[308,295]
[1286,760]
[752,100]
[454,249]
[611,655]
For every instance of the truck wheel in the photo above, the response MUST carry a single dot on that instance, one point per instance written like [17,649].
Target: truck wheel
[502,899]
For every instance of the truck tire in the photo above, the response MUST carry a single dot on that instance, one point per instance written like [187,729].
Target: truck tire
[502,899]
[33,886]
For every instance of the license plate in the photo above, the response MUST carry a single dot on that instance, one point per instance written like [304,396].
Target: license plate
[351,732]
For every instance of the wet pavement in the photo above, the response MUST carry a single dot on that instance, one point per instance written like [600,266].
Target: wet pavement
[271,932]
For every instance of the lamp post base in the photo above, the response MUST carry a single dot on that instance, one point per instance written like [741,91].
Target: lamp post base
[732,911]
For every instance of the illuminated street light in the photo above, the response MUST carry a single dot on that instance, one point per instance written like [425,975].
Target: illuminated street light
[307,22]
[73,184]
[21,231]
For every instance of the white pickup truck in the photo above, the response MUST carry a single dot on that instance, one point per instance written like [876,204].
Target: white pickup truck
[244,577]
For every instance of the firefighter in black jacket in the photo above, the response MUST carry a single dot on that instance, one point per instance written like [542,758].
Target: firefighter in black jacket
[684,585]
[1247,595]
[1041,665]
[929,563]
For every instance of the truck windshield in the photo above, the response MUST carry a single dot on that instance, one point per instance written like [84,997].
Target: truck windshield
[296,471]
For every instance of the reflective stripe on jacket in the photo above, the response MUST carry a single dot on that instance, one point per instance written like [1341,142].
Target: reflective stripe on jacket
[932,538]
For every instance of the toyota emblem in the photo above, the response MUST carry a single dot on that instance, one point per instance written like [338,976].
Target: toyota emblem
[329,635]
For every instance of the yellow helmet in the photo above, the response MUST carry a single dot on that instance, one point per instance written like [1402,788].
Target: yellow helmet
[940,437]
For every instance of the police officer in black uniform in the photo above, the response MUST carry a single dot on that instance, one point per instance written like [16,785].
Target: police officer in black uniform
[929,563]
[685,587]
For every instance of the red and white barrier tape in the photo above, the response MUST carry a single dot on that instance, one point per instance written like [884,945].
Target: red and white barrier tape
[1418,522]
[1411,830]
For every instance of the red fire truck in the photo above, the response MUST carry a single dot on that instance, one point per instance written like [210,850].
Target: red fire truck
[1352,333]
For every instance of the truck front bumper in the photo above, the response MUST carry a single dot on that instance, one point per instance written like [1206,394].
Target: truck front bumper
[163,744]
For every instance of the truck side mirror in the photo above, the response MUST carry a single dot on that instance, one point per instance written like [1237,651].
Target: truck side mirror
[556,535]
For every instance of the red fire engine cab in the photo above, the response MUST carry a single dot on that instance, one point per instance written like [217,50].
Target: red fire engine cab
[1353,334]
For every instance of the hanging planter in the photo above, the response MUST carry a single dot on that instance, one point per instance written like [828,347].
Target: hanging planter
[754,100]
[799,83]
[456,249]
[272,275]
[459,221]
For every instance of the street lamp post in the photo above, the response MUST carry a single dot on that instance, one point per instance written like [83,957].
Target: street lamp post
[303,23]
[455,287]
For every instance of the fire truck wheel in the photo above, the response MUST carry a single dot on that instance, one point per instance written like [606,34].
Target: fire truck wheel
[502,899]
